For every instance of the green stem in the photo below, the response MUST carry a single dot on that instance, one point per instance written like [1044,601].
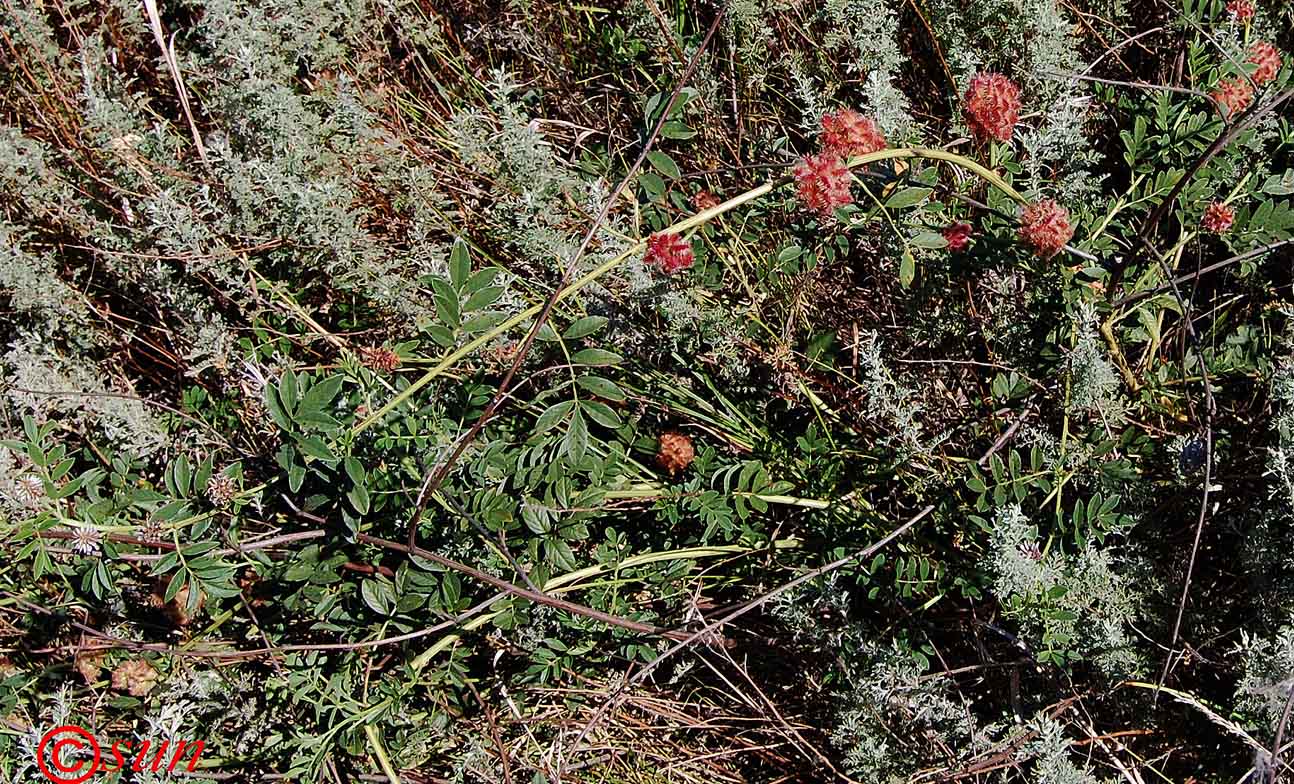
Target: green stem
[699,219]
[382,759]
[568,582]
[660,492]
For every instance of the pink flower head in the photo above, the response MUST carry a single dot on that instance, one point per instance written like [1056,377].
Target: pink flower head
[847,133]
[1233,95]
[1217,218]
[670,252]
[1045,227]
[958,236]
[992,106]
[1268,60]
[823,182]
[1243,10]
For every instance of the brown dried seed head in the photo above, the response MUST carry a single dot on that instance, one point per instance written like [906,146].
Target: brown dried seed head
[16,721]
[135,677]
[89,664]
[675,453]
[705,200]
[177,610]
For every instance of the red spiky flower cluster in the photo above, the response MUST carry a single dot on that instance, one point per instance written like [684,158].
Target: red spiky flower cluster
[1217,218]
[823,182]
[670,252]
[1233,95]
[1242,10]
[992,106]
[1045,227]
[847,133]
[380,359]
[1268,60]
[958,236]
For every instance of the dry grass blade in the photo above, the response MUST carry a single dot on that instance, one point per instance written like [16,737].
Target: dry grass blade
[173,67]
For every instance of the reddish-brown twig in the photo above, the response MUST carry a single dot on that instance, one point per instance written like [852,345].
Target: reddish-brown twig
[524,593]
[109,641]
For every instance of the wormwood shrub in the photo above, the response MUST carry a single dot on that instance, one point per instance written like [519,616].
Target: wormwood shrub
[918,409]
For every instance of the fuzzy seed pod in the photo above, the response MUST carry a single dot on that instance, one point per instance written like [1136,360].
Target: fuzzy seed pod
[152,530]
[823,183]
[670,252]
[1233,95]
[1217,218]
[847,133]
[1268,60]
[1045,227]
[675,453]
[958,236]
[992,107]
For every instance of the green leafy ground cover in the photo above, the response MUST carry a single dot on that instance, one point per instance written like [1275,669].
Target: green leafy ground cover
[406,390]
